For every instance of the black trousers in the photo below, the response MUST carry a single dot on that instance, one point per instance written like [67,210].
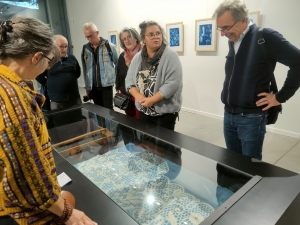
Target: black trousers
[7,220]
[167,120]
[103,96]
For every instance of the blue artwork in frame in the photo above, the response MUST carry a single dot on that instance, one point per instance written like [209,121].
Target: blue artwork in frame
[174,37]
[113,39]
[174,33]
[205,34]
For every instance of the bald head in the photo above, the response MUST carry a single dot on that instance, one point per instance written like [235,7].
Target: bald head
[62,44]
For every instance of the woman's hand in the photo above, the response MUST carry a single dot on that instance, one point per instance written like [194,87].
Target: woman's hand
[147,102]
[136,94]
[140,98]
[78,218]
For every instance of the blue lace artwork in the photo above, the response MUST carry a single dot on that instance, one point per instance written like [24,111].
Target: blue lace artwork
[137,182]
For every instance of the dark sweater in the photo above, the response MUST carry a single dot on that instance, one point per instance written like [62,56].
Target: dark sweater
[121,74]
[247,72]
[62,80]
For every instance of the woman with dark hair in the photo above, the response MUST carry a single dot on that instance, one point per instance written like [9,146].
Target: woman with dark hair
[130,42]
[29,190]
[154,78]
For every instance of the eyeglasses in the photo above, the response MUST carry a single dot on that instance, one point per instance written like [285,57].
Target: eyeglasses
[152,35]
[126,38]
[90,36]
[62,47]
[225,29]
[50,60]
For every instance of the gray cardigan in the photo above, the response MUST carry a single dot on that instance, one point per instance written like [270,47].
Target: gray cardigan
[168,81]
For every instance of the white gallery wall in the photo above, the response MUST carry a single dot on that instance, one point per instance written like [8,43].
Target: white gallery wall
[203,72]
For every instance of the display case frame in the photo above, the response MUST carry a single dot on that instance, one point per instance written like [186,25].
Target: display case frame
[265,175]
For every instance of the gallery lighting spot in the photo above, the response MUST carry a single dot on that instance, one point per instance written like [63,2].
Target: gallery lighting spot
[150,199]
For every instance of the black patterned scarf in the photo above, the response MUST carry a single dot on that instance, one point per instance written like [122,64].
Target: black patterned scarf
[147,62]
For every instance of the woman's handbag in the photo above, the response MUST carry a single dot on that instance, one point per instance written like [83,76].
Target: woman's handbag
[122,101]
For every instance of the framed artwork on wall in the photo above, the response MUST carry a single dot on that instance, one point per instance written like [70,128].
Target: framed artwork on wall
[205,35]
[254,17]
[113,37]
[175,36]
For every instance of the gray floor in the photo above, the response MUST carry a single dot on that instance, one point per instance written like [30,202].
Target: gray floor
[280,150]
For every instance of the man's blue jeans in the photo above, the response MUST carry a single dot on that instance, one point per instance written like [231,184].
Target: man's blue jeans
[245,133]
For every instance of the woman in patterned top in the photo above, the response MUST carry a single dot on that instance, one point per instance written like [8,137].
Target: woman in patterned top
[29,191]
[154,78]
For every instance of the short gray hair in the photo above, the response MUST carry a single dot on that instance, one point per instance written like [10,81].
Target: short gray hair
[26,37]
[146,24]
[57,37]
[91,26]
[132,32]
[237,8]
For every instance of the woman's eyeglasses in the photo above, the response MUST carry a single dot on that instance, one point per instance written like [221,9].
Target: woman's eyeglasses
[126,38]
[50,60]
[152,35]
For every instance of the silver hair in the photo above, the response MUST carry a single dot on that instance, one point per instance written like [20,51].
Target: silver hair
[91,26]
[27,37]
[237,8]
[57,37]
[146,24]
[132,32]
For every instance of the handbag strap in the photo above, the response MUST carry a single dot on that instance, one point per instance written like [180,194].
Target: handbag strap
[261,42]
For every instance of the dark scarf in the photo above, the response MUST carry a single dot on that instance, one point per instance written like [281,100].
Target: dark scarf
[148,63]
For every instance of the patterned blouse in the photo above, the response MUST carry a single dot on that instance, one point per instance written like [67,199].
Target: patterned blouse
[28,183]
[145,81]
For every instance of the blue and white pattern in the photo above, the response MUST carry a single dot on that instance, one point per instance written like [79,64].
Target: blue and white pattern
[137,183]
[174,37]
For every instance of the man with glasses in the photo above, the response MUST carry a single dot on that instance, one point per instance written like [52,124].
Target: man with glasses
[99,58]
[246,89]
[60,79]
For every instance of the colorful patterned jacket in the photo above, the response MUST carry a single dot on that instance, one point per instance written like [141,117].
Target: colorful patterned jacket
[28,183]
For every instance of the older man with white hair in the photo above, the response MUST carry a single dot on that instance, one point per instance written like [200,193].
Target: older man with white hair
[62,86]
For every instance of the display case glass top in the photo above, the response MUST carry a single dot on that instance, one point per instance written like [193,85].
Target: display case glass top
[153,181]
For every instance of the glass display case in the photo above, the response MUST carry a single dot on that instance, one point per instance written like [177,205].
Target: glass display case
[153,181]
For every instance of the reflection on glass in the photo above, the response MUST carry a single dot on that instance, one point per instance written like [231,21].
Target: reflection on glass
[31,4]
[152,181]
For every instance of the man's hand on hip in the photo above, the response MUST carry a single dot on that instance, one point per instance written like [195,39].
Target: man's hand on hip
[268,99]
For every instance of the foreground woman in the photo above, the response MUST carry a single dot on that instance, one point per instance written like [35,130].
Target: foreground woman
[29,191]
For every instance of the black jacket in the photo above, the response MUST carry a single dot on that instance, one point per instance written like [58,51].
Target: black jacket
[247,71]
[62,80]
[121,74]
